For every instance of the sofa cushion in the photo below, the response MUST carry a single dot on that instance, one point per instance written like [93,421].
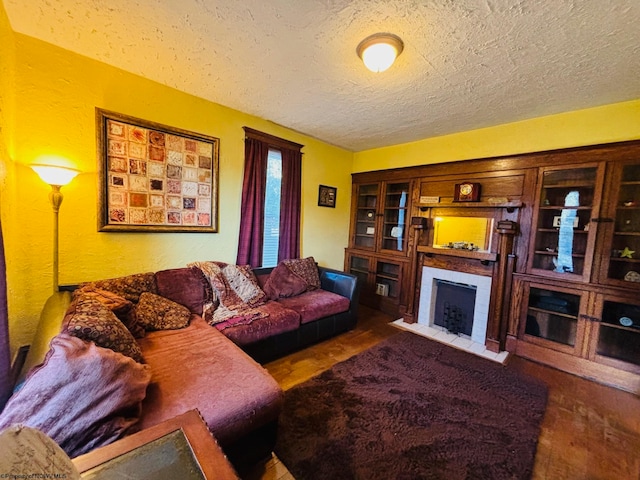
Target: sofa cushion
[154,312]
[235,290]
[122,307]
[90,320]
[306,269]
[232,392]
[275,320]
[283,283]
[186,286]
[82,396]
[129,287]
[316,304]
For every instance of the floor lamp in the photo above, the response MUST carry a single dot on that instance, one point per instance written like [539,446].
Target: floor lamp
[57,177]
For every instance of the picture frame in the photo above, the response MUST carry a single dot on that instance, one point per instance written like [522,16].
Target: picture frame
[155,178]
[327,196]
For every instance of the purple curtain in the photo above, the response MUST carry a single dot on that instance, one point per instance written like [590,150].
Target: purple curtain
[5,356]
[289,244]
[252,209]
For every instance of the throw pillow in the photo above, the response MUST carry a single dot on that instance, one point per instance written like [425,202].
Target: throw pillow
[306,269]
[186,286]
[158,313]
[129,287]
[82,396]
[283,283]
[122,307]
[90,320]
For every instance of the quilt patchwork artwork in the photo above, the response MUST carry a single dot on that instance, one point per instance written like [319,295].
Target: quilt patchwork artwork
[156,177]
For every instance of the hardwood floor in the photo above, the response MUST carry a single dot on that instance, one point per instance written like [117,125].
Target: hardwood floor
[589,431]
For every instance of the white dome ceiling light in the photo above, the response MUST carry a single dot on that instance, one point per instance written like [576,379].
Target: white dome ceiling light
[379,51]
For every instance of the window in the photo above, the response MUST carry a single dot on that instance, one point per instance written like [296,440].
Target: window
[271,200]
[271,236]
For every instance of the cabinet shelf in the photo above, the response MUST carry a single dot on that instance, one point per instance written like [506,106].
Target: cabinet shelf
[557,230]
[569,184]
[627,234]
[555,254]
[358,270]
[552,312]
[387,277]
[620,327]
[625,260]
[562,207]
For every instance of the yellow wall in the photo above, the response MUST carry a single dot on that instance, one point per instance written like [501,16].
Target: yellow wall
[57,92]
[610,123]
[7,170]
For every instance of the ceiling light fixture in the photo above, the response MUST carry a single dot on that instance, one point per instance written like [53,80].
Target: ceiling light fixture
[380,50]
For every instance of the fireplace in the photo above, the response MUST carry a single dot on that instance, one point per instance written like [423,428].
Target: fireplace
[455,301]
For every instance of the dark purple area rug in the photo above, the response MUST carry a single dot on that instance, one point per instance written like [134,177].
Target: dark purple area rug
[412,408]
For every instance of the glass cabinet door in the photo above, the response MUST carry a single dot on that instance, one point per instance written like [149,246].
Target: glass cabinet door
[359,266]
[365,221]
[624,254]
[553,318]
[617,342]
[395,217]
[564,234]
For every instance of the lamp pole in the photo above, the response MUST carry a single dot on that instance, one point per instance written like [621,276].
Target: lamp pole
[56,177]
[56,200]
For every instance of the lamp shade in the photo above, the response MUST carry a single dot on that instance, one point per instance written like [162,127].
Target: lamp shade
[55,175]
[379,51]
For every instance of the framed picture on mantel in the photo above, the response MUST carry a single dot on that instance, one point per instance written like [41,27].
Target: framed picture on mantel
[155,178]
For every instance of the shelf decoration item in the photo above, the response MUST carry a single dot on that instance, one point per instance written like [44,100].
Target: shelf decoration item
[327,196]
[466,192]
[626,253]
[155,178]
[632,276]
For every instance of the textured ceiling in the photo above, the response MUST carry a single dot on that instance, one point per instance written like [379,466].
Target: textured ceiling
[466,64]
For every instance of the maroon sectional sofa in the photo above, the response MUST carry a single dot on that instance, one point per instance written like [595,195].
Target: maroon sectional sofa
[196,366]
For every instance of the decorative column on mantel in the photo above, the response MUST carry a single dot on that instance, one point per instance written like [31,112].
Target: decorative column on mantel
[501,287]
[420,228]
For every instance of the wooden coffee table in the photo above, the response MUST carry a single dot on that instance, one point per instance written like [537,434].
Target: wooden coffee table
[181,447]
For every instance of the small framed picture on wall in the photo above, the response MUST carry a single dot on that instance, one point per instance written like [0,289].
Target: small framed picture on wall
[327,196]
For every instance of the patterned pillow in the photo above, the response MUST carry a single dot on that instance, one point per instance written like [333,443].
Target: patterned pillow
[186,286]
[129,287]
[122,307]
[90,320]
[283,283]
[158,313]
[306,269]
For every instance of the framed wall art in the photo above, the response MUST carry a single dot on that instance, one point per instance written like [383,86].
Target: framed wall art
[327,196]
[155,178]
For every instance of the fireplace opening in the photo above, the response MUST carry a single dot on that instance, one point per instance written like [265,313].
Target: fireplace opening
[454,306]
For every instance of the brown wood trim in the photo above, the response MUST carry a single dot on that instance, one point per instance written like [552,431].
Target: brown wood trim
[272,140]
[562,156]
[577,285]
[453,252]
[579,366]
[206,450]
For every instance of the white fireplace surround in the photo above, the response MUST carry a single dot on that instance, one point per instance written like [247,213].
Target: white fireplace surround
[428,291]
